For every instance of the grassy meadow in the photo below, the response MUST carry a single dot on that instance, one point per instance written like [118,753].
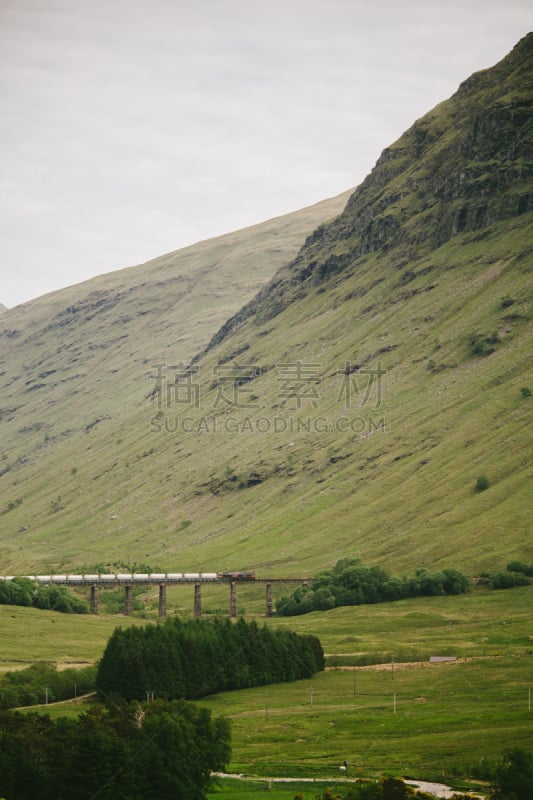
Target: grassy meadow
[400,716]
[428,722]
[28,635]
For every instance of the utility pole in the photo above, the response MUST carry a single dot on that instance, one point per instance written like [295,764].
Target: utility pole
[269,599]
[233,599]
[162,599]
[197,600]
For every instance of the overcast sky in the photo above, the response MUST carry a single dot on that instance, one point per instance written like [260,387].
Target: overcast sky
[129,128]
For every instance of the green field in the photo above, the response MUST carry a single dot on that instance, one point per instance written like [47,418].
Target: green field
[413,722]
[432,722]
[231,789]
[448,717]
[30,635]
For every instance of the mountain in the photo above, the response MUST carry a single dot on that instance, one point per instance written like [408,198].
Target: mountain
[93,343]
[347,408]
[460,168]
[2,308]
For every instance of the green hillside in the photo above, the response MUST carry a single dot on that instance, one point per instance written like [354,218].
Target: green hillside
[347,409]
[78,357]
[88,349]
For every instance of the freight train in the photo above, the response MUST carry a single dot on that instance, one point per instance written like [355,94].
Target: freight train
[139,577]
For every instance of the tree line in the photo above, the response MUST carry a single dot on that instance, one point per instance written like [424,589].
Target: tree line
[349,583]
[42,682]
[198,657]
[160,751]
[517,574]
[23,592]
[381,789]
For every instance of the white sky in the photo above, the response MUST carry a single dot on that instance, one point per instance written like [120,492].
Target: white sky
[129,128]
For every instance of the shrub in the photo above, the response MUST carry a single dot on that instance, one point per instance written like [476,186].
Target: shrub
[514,776]
[508,580]
[22,592]
[482,344]
[26,687]
[17,592]
[13,504]
[519,566]
[349,583]
[482,483]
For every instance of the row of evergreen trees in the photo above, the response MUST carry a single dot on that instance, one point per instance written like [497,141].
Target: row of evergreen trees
[349,583]
[198,657]
[162,751]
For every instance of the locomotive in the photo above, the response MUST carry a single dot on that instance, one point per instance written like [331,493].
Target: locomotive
[236,576]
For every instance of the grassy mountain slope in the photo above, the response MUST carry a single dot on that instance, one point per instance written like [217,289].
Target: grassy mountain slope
[87,349]
[346,410]
[78,356]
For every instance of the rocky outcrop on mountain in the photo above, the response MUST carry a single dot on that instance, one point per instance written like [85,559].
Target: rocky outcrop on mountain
[462,167]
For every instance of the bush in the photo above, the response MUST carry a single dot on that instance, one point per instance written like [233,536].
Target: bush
[508,580]
[17,592]
[58,598]
[22,592]
[506,301]
[519,566]
[482,344]
[514,776]
[350,583]
[482,483]
[27,687]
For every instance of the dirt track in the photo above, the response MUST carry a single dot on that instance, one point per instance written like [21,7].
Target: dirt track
[439,790]
[402,664]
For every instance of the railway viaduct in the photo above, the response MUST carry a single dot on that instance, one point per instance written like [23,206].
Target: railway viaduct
[127,582]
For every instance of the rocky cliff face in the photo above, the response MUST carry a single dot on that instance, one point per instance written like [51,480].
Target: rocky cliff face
[462,167]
